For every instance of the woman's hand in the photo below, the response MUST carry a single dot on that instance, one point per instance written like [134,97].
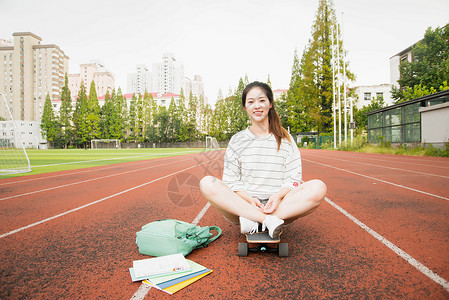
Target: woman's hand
[255,202]
[272,204]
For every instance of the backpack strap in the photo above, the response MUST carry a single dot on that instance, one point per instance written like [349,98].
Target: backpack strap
[211,239]
[218,230]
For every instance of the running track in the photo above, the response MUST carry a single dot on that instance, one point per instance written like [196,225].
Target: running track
[383,231]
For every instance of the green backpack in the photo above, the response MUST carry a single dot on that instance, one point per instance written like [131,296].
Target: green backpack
[165,237]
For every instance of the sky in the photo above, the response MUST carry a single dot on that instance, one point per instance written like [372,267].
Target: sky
[221,40]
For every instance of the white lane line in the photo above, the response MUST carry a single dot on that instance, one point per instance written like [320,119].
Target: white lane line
[88,180]
[404,162]
[141,292]
[401,159]
[404,255]
[384,181]
[98,201]
[80,171]
[113,158]
[143,289]
[392,168]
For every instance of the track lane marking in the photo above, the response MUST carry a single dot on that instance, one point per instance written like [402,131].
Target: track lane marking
[402,159]
[392,168]
[143,289]
[404,255]
[113,158]
[98,201]
[83,170]
[384,181]
[88,180]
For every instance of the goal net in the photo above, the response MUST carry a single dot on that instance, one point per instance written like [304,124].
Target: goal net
[105,144]
[211,143]
[13,157]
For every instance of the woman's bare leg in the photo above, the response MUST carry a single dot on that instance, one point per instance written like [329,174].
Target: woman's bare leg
[231,205]
[301,201]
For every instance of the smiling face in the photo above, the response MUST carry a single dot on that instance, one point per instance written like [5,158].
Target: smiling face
[257,105]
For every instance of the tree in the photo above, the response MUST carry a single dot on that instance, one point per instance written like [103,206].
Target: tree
[183,132]
[132,119]
[108,115]
[80,124]
[429,69]
[281,108]
[173,121]
[238,118]
[310,95]
[139,121]
[65,114]
[298,106]
[121,116]
[49,125]
[93,113]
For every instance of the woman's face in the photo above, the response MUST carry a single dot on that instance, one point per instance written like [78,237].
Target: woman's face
[257,105]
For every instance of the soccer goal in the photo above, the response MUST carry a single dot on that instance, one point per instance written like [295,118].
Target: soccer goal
[105,144]
[211,143]
[13,157]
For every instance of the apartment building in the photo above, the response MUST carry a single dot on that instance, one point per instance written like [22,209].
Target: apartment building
[104,80]
[141,81]
[164,77]
[194,86]
[28,71]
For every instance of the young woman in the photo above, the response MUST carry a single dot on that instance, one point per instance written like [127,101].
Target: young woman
[262,172]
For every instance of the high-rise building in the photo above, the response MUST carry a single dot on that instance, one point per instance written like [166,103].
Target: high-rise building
[104,80]
[140,81]
[165,77]
[28,71]
[168,75]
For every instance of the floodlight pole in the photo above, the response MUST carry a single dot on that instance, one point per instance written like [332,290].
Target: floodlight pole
[333,90]
[344,83]
[352,120]
[338,87]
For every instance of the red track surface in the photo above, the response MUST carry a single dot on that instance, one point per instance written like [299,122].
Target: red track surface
[86,249]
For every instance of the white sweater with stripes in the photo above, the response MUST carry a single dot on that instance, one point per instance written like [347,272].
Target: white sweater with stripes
[255,165]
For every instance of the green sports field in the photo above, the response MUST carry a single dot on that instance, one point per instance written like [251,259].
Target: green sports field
[44,161]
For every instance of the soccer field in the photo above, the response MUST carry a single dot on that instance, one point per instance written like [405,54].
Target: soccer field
[44,161]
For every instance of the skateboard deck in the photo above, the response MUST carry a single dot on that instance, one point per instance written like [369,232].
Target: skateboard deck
[264,243]
[262,237]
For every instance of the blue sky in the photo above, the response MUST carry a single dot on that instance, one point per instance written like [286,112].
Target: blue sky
[221,40]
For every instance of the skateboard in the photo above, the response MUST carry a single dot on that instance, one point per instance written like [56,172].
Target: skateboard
[264,243]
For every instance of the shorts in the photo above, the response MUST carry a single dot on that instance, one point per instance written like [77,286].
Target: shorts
[264,201]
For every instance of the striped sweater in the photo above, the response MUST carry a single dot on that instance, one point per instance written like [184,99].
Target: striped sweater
[254,164]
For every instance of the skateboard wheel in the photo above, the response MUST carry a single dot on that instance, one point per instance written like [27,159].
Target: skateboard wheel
[283,250]
[243,249]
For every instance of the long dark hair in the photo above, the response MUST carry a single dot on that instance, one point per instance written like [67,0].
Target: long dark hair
[274,121]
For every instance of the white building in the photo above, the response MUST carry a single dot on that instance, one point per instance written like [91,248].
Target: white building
[104,80]
[164,77]
[395,61]
[140,82]
[30,134]
[366,93]
[194,86]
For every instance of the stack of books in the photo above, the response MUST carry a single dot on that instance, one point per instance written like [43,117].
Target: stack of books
[169,273]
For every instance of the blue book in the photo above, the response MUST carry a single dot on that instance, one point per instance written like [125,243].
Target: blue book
[181,279]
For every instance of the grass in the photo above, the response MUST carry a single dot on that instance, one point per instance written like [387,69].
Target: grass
[360,145]
[44,161]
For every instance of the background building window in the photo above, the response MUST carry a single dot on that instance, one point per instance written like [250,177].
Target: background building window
[367,96]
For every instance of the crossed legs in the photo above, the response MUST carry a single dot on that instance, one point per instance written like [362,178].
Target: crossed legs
[298,203]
